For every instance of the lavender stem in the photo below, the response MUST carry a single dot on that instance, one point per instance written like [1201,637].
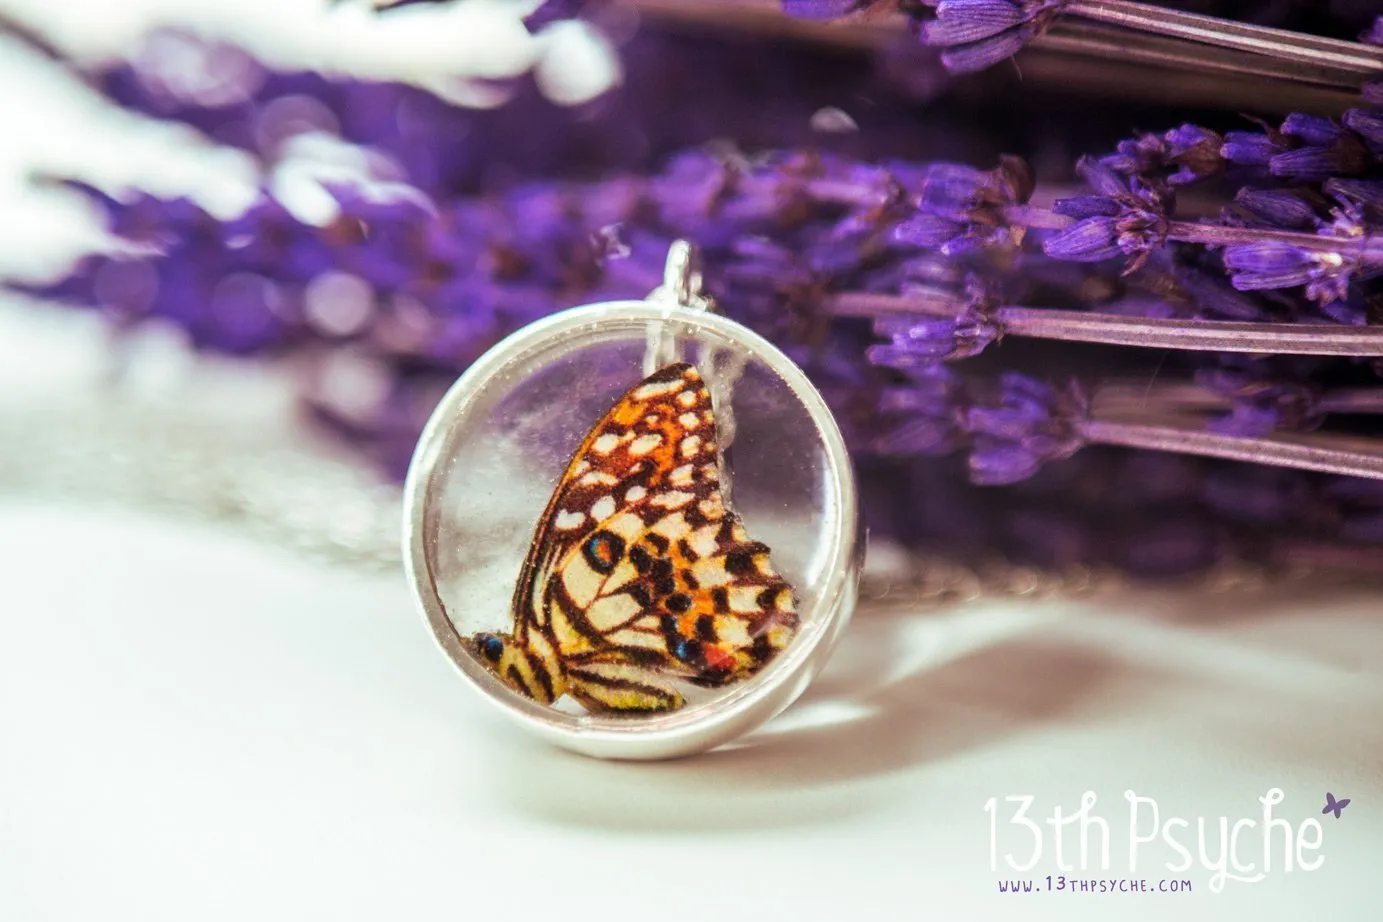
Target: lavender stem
[1036,218]
[1182,435]
[1100,40]
[930,302]
[1368,249]
[1278,43]
[1191,335]
[1140,397]
[1117,329]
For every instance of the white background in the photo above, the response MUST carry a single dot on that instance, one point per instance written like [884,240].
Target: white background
[195,727]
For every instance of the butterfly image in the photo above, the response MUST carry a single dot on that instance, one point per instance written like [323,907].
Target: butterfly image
[638,575]
[1334,806]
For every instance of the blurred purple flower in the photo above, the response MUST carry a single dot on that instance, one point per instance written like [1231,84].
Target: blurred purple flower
[1029,424]
[1374,34]
[955,208]
[550,11]
[925,341]
[1262,405]
[923,416]
[1180,157]
[822,9]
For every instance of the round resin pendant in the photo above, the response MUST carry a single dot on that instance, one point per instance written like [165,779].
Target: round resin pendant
[633,525]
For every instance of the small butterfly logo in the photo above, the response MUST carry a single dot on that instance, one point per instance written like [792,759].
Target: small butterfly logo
[1334,806]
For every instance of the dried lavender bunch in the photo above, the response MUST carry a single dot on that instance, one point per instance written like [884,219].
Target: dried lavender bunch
[1302,227]
[802,243]
[1207,295]
[262,298]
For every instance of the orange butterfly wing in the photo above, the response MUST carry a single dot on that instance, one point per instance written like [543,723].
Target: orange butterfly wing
[637,567]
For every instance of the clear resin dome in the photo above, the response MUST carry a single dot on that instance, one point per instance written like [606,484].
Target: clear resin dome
[701,554]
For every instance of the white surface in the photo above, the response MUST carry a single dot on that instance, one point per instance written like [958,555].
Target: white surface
[194,728]
[197,728]
[51,123]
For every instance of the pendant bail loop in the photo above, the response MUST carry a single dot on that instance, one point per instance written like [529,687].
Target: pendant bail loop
[710,387]
[682,278]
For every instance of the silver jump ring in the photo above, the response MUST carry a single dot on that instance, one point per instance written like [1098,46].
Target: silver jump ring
[682,278]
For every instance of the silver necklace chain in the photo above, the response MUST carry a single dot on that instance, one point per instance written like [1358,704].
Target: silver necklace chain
[112,451]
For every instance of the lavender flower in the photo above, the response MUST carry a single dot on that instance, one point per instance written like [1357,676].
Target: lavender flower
[1260,407]
[1180,157]
[919,343]
[1285,209]
[955,208]
[504,260]
[1325,270]
[1131,211]
[924,416]
[979,33]
[1374,35]
[1308,147]
[1030,424]
[1126,216]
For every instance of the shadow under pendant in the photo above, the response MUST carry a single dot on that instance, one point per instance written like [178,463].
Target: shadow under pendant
[638,575]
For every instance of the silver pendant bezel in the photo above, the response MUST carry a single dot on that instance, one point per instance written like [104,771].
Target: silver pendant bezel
[743,707]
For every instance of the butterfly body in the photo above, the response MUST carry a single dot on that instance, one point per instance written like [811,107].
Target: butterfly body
[638,575]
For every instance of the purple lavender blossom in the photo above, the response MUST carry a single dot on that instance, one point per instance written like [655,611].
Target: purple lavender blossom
[1260,407]
[954,208]
[977,34]
[1286,209]
[925,342]
[1030,424]
[1306,148]
[924,415]
[1126,216]
[1374,34]
[1326,272]
[1182,156]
